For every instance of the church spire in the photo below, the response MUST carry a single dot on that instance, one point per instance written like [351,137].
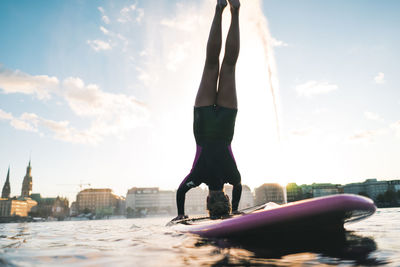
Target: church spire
[27,183]
[6,188]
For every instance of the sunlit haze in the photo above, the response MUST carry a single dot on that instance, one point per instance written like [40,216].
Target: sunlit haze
[102,92]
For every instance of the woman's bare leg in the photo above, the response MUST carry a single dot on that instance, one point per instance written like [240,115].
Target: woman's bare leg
[206,95]
[227,85]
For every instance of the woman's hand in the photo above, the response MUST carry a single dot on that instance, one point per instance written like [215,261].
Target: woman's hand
[180,217]
[177,219]
[236,212]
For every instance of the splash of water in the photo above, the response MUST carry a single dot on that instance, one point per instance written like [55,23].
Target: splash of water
[262,28]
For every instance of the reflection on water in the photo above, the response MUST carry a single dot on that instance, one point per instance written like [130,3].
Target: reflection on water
[335,248]
[147,242]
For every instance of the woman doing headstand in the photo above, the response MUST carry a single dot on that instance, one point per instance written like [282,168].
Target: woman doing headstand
[215,112]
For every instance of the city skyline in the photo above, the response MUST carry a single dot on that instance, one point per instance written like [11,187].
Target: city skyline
[106,97]
[26,186]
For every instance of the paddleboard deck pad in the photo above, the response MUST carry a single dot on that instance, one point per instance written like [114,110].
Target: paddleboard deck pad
[328,213]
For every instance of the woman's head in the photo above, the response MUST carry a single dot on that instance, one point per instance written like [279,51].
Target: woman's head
[218,204]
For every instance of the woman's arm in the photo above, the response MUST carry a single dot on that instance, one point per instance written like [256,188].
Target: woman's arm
[236,194]
[180,198]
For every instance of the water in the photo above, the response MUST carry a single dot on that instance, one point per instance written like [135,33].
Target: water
[147,242]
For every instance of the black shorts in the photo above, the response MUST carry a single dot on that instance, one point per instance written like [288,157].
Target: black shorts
[214,163]
[213,123]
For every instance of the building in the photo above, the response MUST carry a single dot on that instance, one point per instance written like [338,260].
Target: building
[151,200]
[371,188]
[27,189]
[167,200]
[56,207]
[15,207]
[121,206]
[60,208]
[354,188]
[97,201]
[73,210]
[294,192]
[307,191]
[394,185]
[6,188]
[325,189]
[270,193]
[27,182]
[247,198]
[141,201]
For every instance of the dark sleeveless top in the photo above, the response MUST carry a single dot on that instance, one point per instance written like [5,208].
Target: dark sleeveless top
[214,163]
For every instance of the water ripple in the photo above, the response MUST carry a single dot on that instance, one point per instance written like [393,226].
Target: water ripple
[147,242]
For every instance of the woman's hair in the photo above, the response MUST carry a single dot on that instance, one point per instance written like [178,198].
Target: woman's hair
[218,204]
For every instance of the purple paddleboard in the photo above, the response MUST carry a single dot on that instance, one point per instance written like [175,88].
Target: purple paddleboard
[327,213]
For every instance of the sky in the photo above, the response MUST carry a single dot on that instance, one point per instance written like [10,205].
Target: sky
[100,93]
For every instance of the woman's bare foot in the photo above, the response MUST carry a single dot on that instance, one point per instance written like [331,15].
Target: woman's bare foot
[235,4]
[221,4]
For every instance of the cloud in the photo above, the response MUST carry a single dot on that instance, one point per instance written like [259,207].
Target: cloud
[108,113]
[380,78]
[5,115]
[177,55]
[26,122]
[18,82]
[62,131]
[306,132]
[187,22]
[113,113]
[321,110]
[145,77]
[312,88]
[102,126]
[369,135]
[115,39]
[366,136]
[58,129]
[302,132]
[104,17]
[104,30]
[396,127]
[99,45]
[22,125]
[372,116]
[278,43]
[131,13]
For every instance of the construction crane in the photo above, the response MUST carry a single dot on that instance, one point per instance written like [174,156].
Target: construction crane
[81,185]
